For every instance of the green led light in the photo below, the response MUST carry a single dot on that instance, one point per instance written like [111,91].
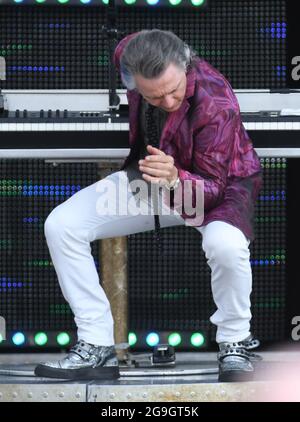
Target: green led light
[63,339]
[40,1]
[197,339]
[40,339]
[175,2]
[1,338]
[197,2]
[174,339]
[63,1]
[132,339]
[129,1]
[105,1]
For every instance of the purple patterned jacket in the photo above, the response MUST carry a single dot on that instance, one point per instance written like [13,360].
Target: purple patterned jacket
[208,141]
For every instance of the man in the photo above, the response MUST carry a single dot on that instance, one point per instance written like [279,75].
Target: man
[201,139]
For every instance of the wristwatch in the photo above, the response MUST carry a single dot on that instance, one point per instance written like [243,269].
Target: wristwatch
[173,185]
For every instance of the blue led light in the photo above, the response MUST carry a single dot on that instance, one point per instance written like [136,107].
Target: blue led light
[152,339]
[276,30]
[10,283]
[36,68]
[57,190]
[18,339]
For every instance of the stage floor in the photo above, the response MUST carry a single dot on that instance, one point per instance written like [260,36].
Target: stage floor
[193,379]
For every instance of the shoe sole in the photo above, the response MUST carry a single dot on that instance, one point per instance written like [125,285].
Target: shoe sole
[236,376]
[101,373]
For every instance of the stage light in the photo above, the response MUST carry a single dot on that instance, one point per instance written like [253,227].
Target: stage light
[18,339]
[129,2]
[175,2]
[152,339]
[63,339]
[132,339]
[197,339]
[85,1]
[1,338]
[198,2]
[40,339]
[40,1]
[174,339]
[63,1]
[152,2]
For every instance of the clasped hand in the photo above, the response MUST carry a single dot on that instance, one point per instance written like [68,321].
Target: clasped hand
[158,167]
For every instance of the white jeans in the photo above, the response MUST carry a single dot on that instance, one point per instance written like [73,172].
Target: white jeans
[71,227]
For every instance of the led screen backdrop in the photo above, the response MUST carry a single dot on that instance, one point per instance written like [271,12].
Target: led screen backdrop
[64,47]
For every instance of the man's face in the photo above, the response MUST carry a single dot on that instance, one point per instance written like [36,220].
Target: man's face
[167,91]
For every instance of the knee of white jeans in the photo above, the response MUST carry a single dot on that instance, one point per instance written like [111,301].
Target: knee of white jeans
[55,223]
[228,254]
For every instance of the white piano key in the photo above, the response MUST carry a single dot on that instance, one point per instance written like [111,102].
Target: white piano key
[79,126]
[12,127]
[251,126]
[65,127]
[281,126]
[116,126]
[4,127]
[56,126]
[20,127]
[28,127]
[296,125]
[109,126]
[273,125]
[94,126]
[41,127]
[266,126]
[124,126]
[258,125]
[87,126]
[101,126]
[289,125]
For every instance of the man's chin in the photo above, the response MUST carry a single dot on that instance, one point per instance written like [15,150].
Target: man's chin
[170,110]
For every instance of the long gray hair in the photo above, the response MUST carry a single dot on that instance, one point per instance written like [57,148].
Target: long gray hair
[150,52]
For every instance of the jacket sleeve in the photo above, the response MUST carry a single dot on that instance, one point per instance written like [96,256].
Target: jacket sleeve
[212,150]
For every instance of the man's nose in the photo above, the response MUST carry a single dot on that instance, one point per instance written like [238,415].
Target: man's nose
[168,101]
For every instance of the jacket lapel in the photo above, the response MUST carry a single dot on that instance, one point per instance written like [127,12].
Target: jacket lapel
[174,119]
[172,123]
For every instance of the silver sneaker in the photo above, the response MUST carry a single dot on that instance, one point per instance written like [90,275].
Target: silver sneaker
[84,361]
[236,361]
